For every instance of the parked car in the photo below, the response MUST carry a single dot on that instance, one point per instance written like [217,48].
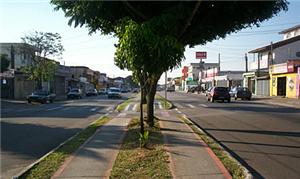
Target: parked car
[41,96]
[92,92]
[135,90]
[102,91]
[124,90]
[171,89]
[208,91]
[219,93]
[74,93]
[240,92]
[114,93]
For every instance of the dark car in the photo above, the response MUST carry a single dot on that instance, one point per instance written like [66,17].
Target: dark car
[92,92]
[41,97]
[240,92]
[219,93]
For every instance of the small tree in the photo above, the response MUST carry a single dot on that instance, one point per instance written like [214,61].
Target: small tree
[45,45]
[4,62]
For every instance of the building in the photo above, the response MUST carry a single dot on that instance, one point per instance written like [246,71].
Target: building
[268,59]
[84,77]
[14,83]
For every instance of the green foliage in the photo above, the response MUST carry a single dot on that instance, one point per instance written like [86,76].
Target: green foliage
[42,70]
[143,139]
[4,63]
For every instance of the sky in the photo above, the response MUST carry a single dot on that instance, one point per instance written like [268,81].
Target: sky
[20,17]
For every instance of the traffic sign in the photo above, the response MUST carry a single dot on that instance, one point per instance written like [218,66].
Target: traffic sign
[201,55]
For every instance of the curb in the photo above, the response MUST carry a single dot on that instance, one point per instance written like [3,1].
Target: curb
[30,166]
[246,171]
[278,104]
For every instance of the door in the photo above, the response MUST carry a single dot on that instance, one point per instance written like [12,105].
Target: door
[281,86]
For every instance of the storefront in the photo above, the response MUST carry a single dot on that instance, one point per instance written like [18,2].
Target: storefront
[285,79]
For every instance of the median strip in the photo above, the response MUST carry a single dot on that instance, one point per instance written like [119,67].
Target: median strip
[135,162]
[50,163]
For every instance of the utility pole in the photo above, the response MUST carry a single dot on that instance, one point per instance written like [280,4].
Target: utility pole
[246,62]
[219,61]
[166,79]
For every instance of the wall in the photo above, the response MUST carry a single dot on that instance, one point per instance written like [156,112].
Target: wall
[22,87]
[282,54]
[290,84]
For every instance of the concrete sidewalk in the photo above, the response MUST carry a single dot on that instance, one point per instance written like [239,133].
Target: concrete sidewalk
[276,100]
[95,158]
[190,156]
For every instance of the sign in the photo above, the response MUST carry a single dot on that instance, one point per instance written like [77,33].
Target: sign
[280,68]
[201,55]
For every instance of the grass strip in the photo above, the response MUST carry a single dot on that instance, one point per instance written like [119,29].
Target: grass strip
[166,103]
[135,162]
[50,164]
[123,105]
[234,168]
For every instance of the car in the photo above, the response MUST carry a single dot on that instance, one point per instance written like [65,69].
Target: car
[171,89]
[74,93]
[135,90]
[207,91]
[124,90]
[240,92]
[41,96]
[219,93]
[114,92]
[102,91]
[92,92]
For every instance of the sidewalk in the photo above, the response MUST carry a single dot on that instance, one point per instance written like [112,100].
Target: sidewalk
[190,157]
[276,100]
[95,158]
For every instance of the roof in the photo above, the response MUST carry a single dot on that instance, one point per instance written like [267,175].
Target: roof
[289,29]
[276,45]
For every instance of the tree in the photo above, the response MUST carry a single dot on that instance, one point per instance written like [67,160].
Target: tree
[45,45]
[4,62]
[153,35]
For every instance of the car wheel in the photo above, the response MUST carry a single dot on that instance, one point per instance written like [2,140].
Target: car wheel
[235,98]
[51,100]
[29,101]
[249,99]
[212,99]
[228,100]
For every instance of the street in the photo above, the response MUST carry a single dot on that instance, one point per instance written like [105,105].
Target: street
[29,131]
[265,138]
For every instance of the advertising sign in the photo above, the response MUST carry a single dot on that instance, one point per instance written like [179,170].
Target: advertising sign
[201,55]
[280,68]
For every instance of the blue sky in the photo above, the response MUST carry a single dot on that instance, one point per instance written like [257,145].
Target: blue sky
[19,17]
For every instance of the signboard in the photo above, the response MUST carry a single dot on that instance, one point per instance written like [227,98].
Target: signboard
[280,68]
[212,72]
[201,55]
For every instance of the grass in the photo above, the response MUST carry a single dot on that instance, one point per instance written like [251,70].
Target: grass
[234,168]
[166,104]
[123,105]
[50,164]
[135,162]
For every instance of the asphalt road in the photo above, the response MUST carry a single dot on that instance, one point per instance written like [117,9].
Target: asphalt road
[29,131]
[264,137]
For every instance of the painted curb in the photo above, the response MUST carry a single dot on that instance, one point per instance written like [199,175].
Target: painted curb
[246,171]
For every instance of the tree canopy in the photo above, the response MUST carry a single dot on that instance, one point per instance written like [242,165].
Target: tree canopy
[153,34]
[4,62]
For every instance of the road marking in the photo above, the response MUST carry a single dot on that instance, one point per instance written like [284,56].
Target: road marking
[127,107]
[178,105]
[54,108]
[190,105]
[204,105]
[134,107]
[110,108]
[94,109]
[122,115]
[165,114]
[67,108]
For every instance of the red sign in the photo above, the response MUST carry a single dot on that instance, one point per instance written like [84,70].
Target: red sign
[201,55]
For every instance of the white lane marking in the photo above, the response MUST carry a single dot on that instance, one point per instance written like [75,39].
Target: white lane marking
[178,105]
[179,112]
[190,105]
[109,109]
[204,105]
[121,115]
[94,109]
[67,108]
[134,107]
[54,108]
[159,105]
[127,107]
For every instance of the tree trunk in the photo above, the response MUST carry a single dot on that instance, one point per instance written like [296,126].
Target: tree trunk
[143,97]
[150,101]
[141,113]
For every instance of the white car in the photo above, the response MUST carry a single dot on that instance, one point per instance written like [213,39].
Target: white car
[114,92]
[74,93]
